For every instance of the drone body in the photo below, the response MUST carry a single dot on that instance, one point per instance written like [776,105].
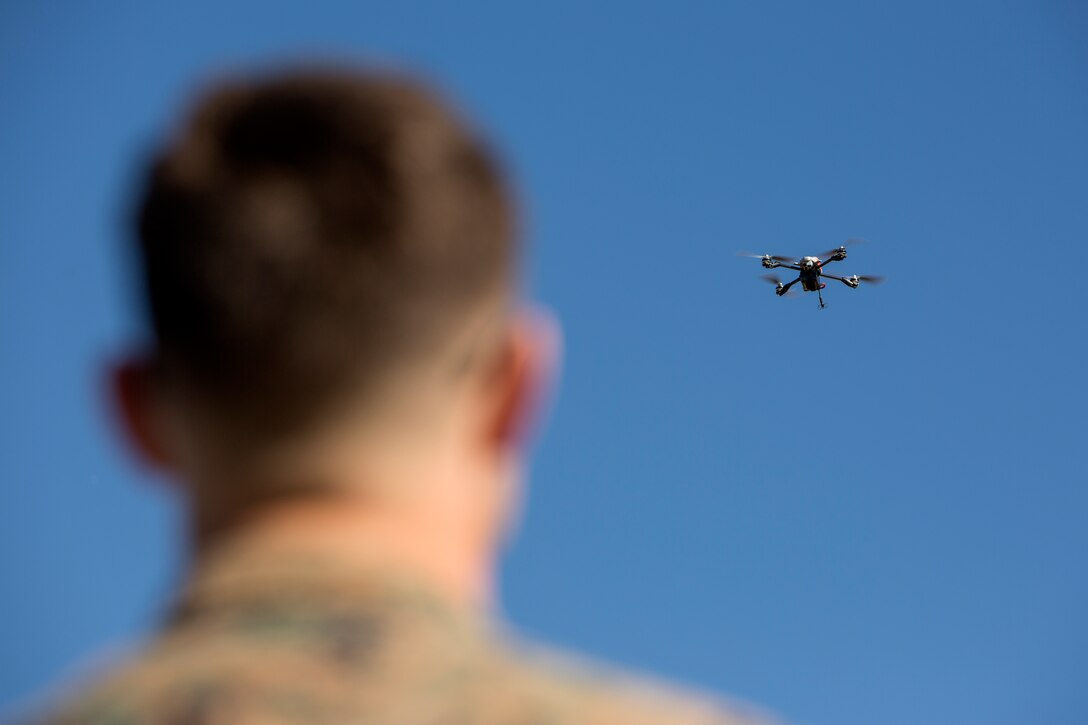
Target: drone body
[810,271]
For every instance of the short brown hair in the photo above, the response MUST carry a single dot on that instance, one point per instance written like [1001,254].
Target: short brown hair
[305,232]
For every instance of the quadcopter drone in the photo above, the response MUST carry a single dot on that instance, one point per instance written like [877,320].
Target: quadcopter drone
[811,270]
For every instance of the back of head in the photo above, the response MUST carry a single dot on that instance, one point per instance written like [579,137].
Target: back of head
[310,242]
[304,235]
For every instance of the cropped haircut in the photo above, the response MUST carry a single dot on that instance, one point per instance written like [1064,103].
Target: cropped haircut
[304,233]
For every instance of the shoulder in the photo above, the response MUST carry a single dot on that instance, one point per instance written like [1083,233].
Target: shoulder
[489,680]
[200,683]
[566,687]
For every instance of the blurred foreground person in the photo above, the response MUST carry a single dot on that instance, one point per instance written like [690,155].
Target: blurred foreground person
[340,378]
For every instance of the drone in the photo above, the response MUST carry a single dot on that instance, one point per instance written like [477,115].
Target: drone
[811,270]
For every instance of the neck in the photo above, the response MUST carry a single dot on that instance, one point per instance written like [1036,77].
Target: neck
[429,548]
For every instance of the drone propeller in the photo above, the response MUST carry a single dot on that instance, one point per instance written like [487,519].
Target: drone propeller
[869,279]
[848,243]
[777,282]
[775,257]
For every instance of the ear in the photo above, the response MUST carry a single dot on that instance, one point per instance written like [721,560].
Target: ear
[137,405]
[524,377]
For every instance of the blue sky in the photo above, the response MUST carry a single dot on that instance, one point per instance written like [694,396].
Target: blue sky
[873,513]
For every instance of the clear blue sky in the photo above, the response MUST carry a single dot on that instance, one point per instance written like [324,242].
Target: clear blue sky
[877,513]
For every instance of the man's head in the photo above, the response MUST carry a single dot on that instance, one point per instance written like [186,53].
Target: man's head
[329,264]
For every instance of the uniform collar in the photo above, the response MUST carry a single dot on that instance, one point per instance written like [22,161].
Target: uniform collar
[238,580]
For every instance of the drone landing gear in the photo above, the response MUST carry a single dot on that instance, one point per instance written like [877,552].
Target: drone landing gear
[820,294]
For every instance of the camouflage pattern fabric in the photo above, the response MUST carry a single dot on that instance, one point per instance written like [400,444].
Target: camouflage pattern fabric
[261,639]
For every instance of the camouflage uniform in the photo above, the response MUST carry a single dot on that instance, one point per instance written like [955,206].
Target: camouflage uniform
[260,639]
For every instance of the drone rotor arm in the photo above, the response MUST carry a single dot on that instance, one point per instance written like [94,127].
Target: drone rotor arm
[855,280]
[782,290]
[786,287]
